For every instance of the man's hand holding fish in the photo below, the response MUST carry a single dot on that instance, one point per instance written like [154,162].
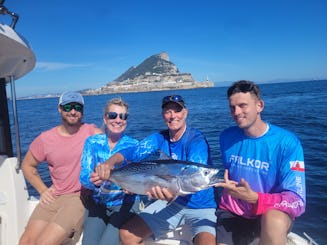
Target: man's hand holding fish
[158,192]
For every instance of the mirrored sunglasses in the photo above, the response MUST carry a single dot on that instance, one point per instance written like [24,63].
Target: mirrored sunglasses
[113,115]
[69,107]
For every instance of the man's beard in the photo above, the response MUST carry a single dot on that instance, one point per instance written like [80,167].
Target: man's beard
[69,123]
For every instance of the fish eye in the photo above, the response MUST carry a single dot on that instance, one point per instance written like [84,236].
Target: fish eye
[206,172]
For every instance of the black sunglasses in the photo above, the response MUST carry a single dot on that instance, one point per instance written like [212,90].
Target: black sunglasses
[114,115]
[69,107]
[172,98]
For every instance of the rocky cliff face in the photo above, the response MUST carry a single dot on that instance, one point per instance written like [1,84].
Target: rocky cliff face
[155,65]
[155,73]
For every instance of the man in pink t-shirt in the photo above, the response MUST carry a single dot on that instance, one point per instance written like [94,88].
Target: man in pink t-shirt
[59,214]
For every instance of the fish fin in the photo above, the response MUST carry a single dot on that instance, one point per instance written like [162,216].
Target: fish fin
[172,200]
[157,155]
[164,156]
[184,193]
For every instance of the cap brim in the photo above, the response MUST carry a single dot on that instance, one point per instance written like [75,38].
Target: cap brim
[175,102]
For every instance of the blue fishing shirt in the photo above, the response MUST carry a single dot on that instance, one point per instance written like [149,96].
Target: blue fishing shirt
[96,150]
[272,164]
[192,146]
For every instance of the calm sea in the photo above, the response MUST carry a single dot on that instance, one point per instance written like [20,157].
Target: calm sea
[297,106]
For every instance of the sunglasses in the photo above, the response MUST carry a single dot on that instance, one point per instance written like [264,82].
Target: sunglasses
[113,115]
[172,98]
[69,107]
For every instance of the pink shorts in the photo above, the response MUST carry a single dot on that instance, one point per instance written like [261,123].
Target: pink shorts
[67,211]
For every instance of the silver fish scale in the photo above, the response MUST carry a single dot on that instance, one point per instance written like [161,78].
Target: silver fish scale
[151,167]
[135,167]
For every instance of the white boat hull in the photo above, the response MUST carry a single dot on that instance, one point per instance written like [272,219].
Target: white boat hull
[15,207]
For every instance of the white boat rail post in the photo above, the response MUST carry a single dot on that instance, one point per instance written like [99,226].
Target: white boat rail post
[311,240]
[16,125]
[14,19]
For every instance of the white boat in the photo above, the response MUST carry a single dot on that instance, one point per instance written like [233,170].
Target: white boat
[16,60]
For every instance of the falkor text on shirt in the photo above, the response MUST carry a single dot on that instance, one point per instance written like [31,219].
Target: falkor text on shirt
[248,162]
[287,204]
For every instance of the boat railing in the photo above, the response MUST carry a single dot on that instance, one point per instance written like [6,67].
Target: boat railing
[5,120]
[5,11]
[311,241]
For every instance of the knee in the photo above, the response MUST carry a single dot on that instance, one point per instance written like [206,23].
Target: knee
[275,225]
[25,240]
[276,220]
[125,236]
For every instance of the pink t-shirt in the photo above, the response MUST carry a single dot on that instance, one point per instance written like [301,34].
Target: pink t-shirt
[63,155]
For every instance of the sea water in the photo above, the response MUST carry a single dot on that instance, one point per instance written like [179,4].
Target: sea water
[297,106]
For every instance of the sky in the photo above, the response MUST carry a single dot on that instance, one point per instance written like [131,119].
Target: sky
[82,44]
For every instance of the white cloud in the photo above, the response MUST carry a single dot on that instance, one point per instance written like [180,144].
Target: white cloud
[51,66]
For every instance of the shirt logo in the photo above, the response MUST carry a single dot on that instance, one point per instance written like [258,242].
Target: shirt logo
[174,156]
[286,204]
[297,165]
[249,163]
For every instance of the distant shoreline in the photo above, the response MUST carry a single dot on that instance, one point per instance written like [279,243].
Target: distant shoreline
[56,95]
[215,84]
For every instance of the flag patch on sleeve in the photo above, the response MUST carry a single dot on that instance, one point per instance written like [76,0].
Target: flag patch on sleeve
[297,165]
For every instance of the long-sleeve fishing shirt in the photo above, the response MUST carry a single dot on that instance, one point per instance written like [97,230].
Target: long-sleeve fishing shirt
[192,146]
[272,164]
[96,151]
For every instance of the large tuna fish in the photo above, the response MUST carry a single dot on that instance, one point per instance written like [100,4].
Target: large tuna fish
[182,177]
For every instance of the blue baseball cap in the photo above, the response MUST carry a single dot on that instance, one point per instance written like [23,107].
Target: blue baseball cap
[68,97]
[177,99]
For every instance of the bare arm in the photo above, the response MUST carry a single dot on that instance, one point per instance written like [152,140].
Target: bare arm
[31,174]
[98,131]
[29,167]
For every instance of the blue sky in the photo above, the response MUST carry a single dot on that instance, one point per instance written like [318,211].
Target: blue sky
[85,44]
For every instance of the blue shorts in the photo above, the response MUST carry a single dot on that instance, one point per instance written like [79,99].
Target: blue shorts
[162,218]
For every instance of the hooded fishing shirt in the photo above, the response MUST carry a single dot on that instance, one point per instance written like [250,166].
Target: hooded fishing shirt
[272,164]
[96,151]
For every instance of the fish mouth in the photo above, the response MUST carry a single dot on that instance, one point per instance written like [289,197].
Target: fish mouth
[215,179]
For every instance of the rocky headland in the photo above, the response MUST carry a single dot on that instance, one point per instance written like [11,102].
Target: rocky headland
[154,74]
